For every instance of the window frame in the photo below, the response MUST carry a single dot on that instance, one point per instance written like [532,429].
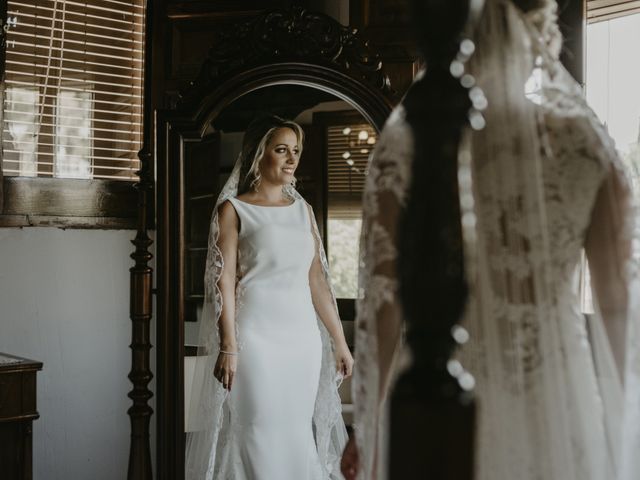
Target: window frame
[68,203]
[61,202]
[323,120]
[601,11]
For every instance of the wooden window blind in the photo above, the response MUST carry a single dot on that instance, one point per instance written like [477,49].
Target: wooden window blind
[348,149]
[73,89]
[601,10]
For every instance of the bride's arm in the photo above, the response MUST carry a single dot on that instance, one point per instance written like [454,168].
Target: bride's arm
[387,319]
[325,306]
[608,248]
[228,245]
[379,322]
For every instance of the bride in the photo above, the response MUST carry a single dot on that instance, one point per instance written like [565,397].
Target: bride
[558,394]
[272,347]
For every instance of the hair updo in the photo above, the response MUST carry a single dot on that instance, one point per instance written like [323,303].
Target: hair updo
[256,138]
[543,15]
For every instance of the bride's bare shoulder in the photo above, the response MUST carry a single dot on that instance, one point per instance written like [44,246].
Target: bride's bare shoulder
[227,212]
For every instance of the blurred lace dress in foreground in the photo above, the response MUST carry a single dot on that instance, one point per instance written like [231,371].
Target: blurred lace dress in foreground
[558,393]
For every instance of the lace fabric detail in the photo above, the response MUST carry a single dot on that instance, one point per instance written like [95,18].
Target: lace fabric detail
[330,431]
[550,402]
[385,193]
[546,402]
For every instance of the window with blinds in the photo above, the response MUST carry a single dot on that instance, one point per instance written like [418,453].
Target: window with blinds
[73,88]
[348,149]
[600,10]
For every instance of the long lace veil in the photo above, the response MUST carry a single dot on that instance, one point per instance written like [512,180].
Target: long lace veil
[558,392]
[548,181]
[209,431]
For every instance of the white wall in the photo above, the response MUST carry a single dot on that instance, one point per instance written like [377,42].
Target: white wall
[64,300]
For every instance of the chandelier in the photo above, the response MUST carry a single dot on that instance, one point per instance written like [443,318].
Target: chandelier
[359,140]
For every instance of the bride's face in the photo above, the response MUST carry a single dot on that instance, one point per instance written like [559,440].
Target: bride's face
[281,157]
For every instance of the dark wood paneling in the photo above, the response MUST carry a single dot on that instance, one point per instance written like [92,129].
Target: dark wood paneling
[202,168]
[191,39]
[195,265]
[572,20]
[433,439]
[380,13]
[208,9]
[387,23]
[77,223]
[311,173]
[68,203]
[17,412]
[187,30]
[191,31]
[199,211]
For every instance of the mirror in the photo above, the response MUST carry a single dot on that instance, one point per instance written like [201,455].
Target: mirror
[331,175]
[340,96]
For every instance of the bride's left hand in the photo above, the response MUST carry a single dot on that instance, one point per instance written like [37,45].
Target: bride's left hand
[344,360]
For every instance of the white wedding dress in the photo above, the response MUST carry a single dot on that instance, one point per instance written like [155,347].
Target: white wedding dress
[546,182]
[283,417]
[271,404]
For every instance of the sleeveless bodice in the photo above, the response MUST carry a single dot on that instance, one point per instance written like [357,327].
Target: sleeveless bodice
[275,246]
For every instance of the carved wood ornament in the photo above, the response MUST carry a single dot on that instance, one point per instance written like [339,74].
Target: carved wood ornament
[296,35]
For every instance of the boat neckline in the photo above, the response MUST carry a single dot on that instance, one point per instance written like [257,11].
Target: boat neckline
[267,206]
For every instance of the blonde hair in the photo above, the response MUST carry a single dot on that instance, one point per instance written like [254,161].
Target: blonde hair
[255,142]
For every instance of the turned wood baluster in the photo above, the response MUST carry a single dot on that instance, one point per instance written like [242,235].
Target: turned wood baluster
[141,289]
[432,412]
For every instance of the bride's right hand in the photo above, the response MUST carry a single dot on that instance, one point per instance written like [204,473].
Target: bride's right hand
[225,369]
[350,464]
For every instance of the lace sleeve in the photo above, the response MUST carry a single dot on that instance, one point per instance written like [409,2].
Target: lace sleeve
[608,247]
[611,245]
[379,320]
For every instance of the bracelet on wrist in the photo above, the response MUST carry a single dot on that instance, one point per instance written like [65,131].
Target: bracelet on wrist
[228,353]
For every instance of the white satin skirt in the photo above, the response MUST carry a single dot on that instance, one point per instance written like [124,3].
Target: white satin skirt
[273,396]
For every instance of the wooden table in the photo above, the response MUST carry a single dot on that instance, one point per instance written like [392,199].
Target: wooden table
[17,412]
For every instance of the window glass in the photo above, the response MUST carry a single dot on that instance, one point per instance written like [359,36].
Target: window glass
[348,150]
[613,91]
[73,89]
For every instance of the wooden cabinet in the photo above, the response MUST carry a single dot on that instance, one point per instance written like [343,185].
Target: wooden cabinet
[17,412]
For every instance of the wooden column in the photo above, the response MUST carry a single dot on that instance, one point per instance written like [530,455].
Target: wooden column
[572,19]
[433,412]
[3,46]
[141,288]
